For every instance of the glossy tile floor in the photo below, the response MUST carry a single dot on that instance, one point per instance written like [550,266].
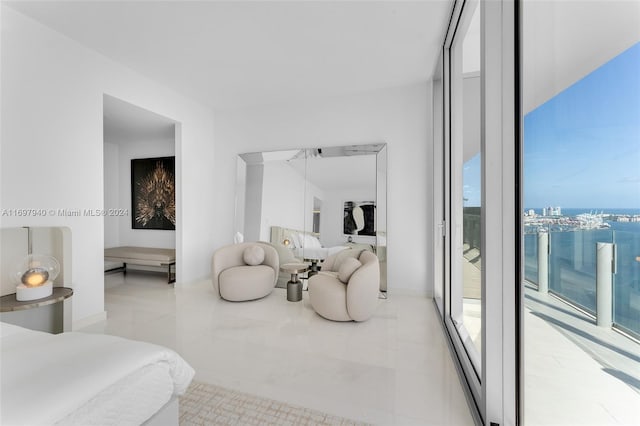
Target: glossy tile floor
[395,368]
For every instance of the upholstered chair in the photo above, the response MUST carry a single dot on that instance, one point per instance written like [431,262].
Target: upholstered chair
[351,292]
[245,271]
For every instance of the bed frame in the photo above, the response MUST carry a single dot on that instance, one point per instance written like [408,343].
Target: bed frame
[145,256]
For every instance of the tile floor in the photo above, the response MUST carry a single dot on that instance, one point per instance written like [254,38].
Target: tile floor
[393,369]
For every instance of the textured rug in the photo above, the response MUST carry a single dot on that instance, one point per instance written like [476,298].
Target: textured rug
[205,404]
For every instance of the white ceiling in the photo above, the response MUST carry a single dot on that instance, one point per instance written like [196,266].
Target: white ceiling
[238,53]
[125,123]
[563,41]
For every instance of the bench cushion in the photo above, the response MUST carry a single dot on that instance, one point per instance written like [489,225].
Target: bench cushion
[144,254]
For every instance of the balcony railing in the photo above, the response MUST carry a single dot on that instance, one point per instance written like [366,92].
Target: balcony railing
[571,264]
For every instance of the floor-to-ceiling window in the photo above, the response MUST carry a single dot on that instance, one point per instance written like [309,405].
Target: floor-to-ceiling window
[581,212]
[463,193]
[466,185]
[476,172]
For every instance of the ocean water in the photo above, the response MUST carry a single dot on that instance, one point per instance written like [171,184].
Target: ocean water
[572,264]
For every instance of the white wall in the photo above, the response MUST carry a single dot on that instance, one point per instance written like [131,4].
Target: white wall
[111,193]
[252,202]
[118,191]
[287,199]
[282,198]
[399,116]
[51,107]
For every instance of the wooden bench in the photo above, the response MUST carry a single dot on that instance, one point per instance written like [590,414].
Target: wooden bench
[145,256]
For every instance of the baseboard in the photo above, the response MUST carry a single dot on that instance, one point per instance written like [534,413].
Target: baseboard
[408,292]
[193,281]
[90,320]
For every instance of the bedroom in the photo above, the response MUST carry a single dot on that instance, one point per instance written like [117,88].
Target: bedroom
[60,68]
[233,80]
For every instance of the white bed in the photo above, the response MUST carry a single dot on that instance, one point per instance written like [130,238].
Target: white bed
[304,245]
[85,379]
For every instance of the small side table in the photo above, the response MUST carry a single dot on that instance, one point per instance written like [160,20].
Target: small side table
[51,314]
[294,287]
[314,268]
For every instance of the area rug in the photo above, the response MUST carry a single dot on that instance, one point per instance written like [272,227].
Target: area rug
[205,404]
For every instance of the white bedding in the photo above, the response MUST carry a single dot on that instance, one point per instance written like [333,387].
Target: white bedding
[84,379]
[319,253]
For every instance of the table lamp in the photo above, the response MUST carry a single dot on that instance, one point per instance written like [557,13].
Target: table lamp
[34,276]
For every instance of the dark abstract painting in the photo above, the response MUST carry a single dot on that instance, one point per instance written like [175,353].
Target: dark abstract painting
[359,218]
[153,193]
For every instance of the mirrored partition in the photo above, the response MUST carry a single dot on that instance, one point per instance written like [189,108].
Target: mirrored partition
[312,203]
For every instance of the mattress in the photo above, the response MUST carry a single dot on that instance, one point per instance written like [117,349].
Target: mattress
[83,379]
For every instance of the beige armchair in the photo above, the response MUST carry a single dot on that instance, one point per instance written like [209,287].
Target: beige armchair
[240,273]
[347,295]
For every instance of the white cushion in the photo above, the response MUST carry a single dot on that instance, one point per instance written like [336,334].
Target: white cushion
[311,242]
[295,238]
[348,267]
[246,282]
[253,255]
[315,242]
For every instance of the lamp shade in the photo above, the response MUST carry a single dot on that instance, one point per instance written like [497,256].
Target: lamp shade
[34,276]
[35,270]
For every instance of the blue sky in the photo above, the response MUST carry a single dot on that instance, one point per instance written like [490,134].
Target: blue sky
[582,147]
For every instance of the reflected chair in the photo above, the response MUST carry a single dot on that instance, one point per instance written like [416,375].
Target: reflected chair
[245,271]
[349,294]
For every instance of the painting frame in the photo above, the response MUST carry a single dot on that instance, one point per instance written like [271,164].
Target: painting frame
[153,195]
[361,224]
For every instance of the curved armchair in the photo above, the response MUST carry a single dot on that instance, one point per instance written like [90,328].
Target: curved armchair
[236,281]
[355,300]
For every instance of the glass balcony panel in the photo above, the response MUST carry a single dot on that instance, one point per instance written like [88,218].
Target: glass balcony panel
[626,282]
[572,265]
[531,257]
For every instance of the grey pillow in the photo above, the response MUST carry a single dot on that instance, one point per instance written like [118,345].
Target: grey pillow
[348,267]
[253,255]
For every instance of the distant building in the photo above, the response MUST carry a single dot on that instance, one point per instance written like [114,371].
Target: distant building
[552,211]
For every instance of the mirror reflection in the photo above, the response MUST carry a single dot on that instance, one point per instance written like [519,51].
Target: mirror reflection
[313,203]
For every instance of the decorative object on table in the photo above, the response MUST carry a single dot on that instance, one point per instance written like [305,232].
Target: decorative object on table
[359,218]
[244,271]
[35,276]
[294,286]
[153,193]
[351,292]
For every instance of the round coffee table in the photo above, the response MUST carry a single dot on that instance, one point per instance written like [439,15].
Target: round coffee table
[294,287]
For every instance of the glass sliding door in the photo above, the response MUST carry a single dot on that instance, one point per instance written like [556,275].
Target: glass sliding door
[480,160]
[463,194]
[466,185]
[438,182]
